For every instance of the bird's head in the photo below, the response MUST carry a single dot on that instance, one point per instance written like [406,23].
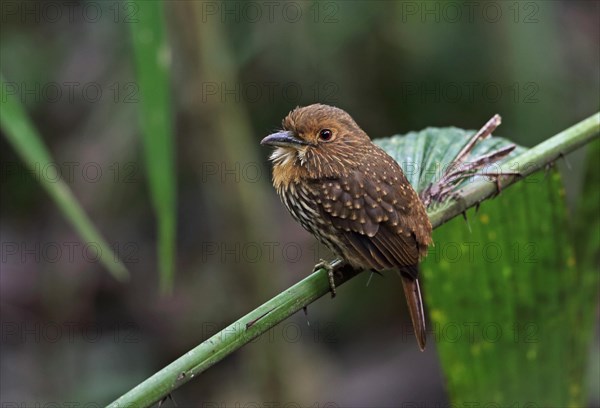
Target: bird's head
[316,141]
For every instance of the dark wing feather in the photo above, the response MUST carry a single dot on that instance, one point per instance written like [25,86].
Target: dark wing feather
[373,207]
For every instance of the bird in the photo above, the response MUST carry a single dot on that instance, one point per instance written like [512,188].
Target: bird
[353,197]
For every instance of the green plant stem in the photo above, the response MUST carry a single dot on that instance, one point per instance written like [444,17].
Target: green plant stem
[316,285]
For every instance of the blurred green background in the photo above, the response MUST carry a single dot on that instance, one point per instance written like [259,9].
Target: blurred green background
[71,332]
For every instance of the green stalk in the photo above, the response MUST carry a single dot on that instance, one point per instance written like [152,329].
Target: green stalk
[316,285]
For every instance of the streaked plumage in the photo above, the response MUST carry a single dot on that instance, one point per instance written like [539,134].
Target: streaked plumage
[352,196]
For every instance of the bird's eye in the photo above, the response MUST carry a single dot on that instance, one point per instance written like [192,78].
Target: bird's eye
[325,135]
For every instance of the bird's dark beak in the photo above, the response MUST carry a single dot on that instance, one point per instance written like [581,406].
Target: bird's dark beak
[283,139]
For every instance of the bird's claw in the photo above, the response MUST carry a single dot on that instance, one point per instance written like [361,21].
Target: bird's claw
[330,267]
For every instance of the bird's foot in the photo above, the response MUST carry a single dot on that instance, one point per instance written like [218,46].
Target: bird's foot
[331,268]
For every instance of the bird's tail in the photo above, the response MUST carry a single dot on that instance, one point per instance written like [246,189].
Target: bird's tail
[412,291]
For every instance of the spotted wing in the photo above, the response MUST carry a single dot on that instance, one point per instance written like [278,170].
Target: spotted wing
[378,213]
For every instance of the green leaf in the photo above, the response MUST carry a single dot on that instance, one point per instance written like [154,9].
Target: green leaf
[425,154]
[514,277]
[152,57]
[24,138]
[587,247]
[587,216]
[505,299]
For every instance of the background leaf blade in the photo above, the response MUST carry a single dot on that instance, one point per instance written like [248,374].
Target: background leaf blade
[26,141]
[152,58]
